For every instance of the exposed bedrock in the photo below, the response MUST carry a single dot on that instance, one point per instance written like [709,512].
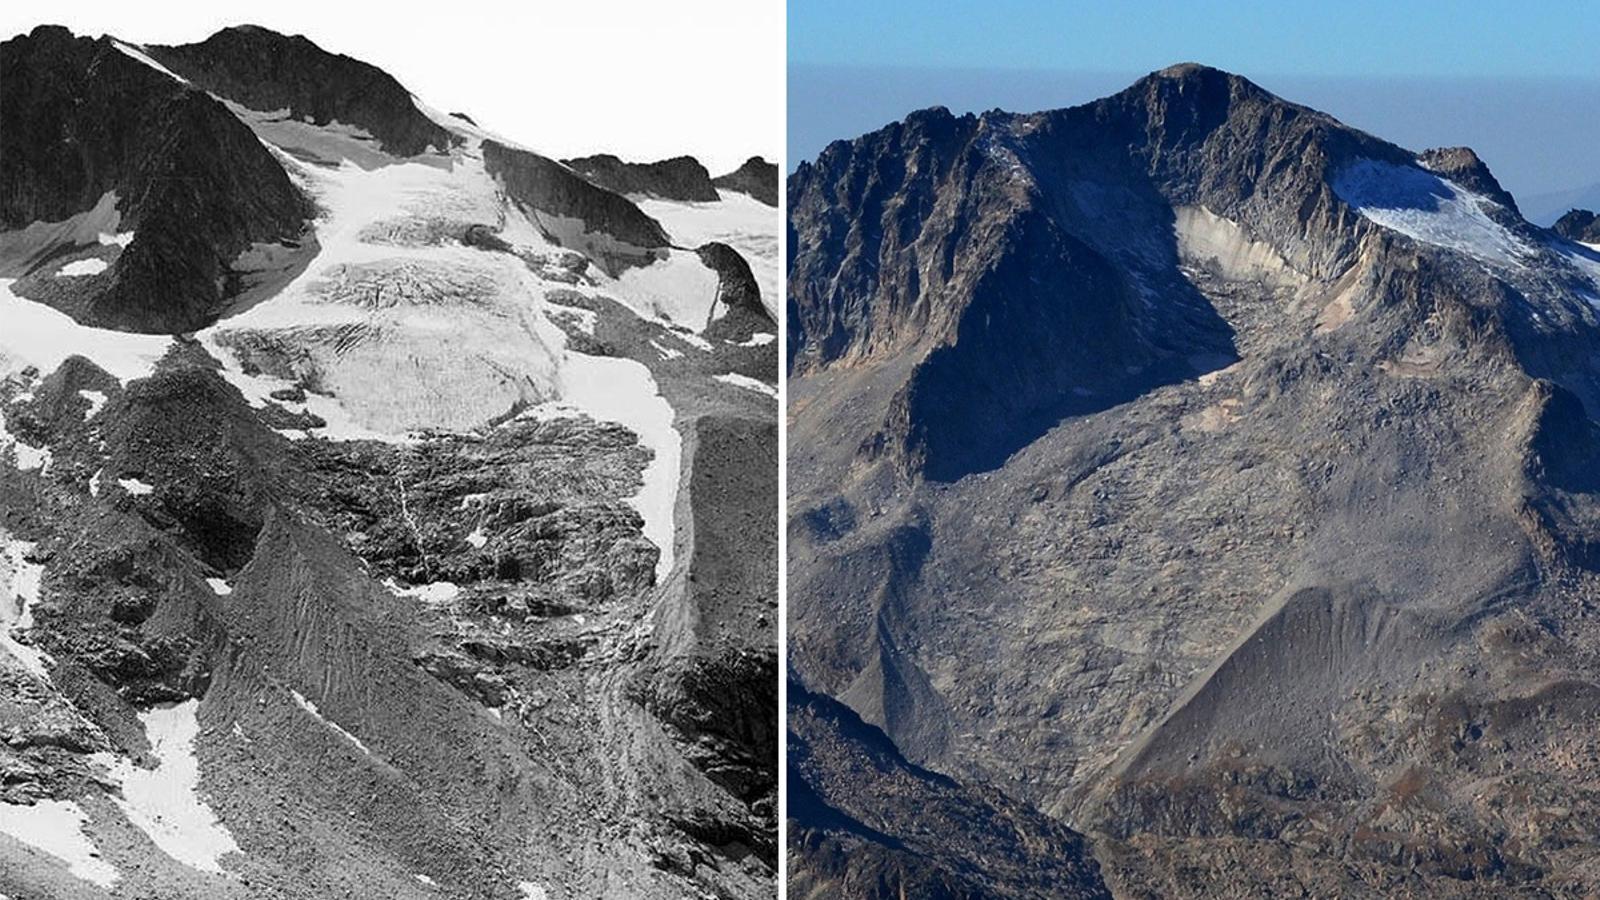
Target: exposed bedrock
[679,178]
[268,72]
[85,125]
[755,177]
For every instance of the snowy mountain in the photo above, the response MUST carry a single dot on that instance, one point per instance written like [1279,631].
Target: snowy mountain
[388,509]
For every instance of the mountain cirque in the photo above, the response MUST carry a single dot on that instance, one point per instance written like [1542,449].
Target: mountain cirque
[420,541]
[1205,475]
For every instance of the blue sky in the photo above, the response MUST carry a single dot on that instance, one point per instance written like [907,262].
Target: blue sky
[1521,85]
[1558,38]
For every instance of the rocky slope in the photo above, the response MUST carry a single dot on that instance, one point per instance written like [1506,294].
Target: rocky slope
[867,823]
[440,563]
[755,177]
[679,178]
[142,189]
[1211,477]
[1579,225]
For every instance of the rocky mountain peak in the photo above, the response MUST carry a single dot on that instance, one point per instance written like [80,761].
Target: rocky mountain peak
[1463,166]
[267,71]
[755,177]
[679,178]
[1579,225]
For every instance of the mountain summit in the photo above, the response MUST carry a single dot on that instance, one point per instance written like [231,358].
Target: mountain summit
[1209,475]
[386,509]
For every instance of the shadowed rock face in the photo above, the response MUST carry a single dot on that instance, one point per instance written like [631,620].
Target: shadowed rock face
[1579,225]
[267,71]
[679,178]
[82,119]
[866,824]
[756,177]
[1207,475]
[606,226]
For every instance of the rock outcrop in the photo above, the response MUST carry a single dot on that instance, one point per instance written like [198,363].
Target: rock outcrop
[1209,476]
[268,72]
[97,140]
[679,178]
[755,177]
[1579,225]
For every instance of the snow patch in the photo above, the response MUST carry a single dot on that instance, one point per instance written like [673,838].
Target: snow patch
[143,57]
[532,891]
[738,220]
[679,289]
[20,582]
[97,400]
[622,391]
[94,265]
[667,352]
[135,487]
[433,592]
[759,339]
[749,384]
[220,586]
[165,802]
[477,538]
[56,827]
[693,340]
[311,708]
[28,456]
[121,239]
[1427,208]
[41,336]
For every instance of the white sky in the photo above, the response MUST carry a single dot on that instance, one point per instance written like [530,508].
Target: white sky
[641,80]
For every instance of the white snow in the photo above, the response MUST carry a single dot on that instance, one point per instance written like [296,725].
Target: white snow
[532,891]
[679,289]
[1428,208]
[693,340]
[97,400]
[94,482]
[38,335]
[759,339]
[433,592]
[748,383]
[477,538]
[20,581]
[94,265]
[165,802]
[1587,264]
[311,708]
[141,56]
[622,391]
[404,330]
[667,352]
[220,586]
[426,880]
[56,827]
[135,487]
[28,456]
[121,239]
[738,220]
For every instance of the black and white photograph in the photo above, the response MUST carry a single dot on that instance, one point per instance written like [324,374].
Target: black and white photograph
[389,451]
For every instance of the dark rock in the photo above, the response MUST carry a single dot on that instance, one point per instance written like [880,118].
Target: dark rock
[756,177]
[79,119]
[267,71]
[1579,225]
[604,226]
[679,178]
